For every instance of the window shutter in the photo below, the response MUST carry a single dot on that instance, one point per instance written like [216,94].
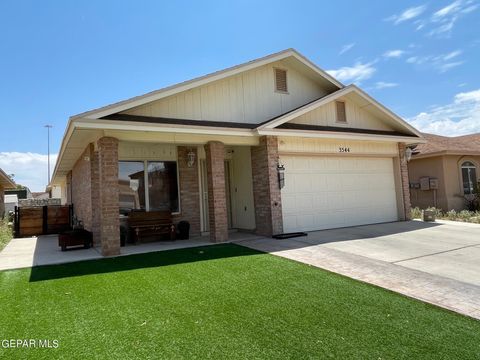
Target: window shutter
[341,113]
[281,80]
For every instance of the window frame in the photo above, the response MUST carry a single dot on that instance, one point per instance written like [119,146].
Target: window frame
[461,167]
[145,179]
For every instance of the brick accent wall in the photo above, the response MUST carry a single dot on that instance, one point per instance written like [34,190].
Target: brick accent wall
[217,202]
[189,190]
[81,188]
[108,190]
[68,184]
[404,180]
[266,192]
[95,196]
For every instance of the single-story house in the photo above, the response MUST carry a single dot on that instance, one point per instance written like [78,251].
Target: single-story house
[274,145]
[444,171]
[5,183]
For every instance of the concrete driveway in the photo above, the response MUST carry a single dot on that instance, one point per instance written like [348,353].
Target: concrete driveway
[449,249]
[435,262]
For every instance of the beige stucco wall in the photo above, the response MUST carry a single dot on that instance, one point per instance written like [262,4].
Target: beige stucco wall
[453,179]
[447,169]
[429,167]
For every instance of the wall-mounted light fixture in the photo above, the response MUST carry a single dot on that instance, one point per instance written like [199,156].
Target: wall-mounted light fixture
[190,158]
[408,153]
[281,175]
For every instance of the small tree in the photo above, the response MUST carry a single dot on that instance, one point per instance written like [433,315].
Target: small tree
[472,201]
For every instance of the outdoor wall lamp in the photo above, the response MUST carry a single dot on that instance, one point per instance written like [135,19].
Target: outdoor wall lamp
[281,175]
[408,153]
[190,158]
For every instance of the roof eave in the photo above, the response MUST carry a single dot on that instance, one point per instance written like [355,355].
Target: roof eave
[5,180]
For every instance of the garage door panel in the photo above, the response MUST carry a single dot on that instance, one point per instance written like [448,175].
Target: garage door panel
[328,192]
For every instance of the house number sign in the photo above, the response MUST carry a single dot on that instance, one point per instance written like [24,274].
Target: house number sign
[343,149]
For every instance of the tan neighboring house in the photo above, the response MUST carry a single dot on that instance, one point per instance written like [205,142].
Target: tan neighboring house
[5,183]
[444,171]
[275,145]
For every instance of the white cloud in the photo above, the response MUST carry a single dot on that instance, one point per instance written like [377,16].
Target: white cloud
[355,73]
[384,85]
[30,169]
[407,14]
[441,63]
[445,18]
[451,55]
[447,66]
[460,117]
[393,53]
[454,7]
[346,48]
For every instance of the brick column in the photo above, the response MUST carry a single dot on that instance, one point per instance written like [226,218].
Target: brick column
[217,201]
[68,184]
[189,190]
[266,192]
[95,193]
[404,180]
[108,195]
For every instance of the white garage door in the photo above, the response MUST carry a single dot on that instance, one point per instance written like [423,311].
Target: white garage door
[328,192]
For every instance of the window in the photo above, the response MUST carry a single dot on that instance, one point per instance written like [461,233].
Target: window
[148,185]
[131,183]
[469,177]
[162,185]
[341,113]
[281,80]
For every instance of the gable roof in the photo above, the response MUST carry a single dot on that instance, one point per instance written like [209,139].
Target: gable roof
[440,145]
[218,75]
[5,180]
[282,119]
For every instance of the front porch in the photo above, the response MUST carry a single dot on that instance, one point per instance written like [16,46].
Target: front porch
[215,183]
[44,250]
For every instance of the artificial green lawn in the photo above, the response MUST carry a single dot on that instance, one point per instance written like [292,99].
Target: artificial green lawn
[221,301]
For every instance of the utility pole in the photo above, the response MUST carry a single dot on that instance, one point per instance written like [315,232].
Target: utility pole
[48,145]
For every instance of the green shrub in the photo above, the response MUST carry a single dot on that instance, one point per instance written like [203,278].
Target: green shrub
[465,215]
[438,212]
[451,215]
[416,213]
[6,233]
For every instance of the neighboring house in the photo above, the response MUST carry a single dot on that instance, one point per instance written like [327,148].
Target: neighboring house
[10,202]
[40,195]
[5,183]
[453,165]
[22,194]
[273,145]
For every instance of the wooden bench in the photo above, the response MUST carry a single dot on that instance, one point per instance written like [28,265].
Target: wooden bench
[151,223]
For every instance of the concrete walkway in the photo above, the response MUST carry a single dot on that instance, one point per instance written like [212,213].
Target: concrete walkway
[436,263]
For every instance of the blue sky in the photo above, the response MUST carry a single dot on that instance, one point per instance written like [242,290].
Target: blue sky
[59,58]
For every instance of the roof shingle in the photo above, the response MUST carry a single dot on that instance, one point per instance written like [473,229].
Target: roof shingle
[458,144]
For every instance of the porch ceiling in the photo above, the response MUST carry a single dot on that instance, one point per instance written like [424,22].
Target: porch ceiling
[79,137]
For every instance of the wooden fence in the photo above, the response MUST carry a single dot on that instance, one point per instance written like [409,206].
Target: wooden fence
[42,220]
